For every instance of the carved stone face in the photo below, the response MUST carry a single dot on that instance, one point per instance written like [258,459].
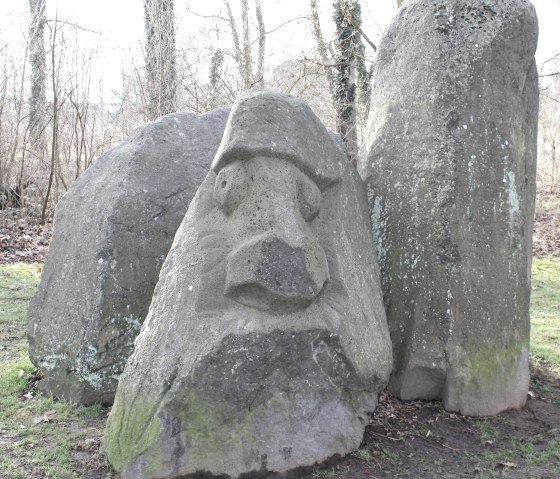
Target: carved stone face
[267,324]
[277,263]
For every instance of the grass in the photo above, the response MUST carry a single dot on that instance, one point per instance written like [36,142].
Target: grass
[41,435]
[530,451]
[545,310]
[36,433]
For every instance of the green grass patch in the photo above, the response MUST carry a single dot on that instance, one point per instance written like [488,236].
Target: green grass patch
[18,282]
[487,431]
[545,309]
[38,434]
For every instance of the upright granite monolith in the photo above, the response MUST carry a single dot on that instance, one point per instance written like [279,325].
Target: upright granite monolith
[112,232]
[449,163]
[266,344]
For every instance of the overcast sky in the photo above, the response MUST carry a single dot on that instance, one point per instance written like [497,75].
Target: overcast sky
[119,24]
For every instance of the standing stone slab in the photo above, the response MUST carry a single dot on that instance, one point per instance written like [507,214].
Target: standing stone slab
[112,231]
[266,344]
[449,163]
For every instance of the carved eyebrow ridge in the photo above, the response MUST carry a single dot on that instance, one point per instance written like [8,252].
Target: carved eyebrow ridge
[243,154]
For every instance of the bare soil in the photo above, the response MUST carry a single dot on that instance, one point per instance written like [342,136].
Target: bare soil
[422,440]
[418,440]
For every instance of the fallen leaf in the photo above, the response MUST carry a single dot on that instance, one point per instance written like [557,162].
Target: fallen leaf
[47,417]
[512,465]
[28,395]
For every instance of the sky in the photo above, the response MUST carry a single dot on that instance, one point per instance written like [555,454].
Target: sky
[114,28]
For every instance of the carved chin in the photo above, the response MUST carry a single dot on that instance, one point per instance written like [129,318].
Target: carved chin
[269,274]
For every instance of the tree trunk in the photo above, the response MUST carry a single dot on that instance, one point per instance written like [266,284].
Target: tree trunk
[54,129]
[37,120]
[259,80]
[161,72]
[347,46]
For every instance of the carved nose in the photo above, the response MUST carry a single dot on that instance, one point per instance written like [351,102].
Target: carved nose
[271,273]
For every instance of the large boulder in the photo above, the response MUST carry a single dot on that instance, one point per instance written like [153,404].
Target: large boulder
[112,232]
[266,344]
[449,163]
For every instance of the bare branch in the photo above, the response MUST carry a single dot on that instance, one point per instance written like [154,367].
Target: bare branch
[357,27]
[555,57]
[550,75]
[74,25]
[216,17]
[550,97]
[235,37]
[321,47]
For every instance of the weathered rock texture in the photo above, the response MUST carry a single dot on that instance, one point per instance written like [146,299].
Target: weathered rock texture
[449,162]
[112,232]
[266,344]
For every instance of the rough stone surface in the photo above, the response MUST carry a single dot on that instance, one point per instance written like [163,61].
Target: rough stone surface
[449,163]
[266,344]
[112,231]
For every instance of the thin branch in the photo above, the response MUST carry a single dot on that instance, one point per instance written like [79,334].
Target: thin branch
[555,57]
[549,75]
[64,22]
[319,63]
[216,17]
[281,25]
[550,97]
[351,21]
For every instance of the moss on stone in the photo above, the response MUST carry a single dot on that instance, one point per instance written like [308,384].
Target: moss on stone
[493,367]
[132,430]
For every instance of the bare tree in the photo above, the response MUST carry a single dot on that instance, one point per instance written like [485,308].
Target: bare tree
[243,55]
[37,99]
[161,72]
[55,84]
[548,171]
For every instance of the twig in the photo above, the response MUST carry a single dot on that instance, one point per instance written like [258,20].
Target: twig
[549,75]
[64,22]
[555,57]
[446,446]
[387,437]
[216,17]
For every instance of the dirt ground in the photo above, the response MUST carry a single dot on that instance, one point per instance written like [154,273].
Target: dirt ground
[420,440]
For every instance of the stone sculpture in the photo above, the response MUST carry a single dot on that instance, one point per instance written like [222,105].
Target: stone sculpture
[266,343]
[449,163]
[112,231]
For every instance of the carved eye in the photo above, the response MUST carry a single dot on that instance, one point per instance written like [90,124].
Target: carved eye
[309,198]
[231,186]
